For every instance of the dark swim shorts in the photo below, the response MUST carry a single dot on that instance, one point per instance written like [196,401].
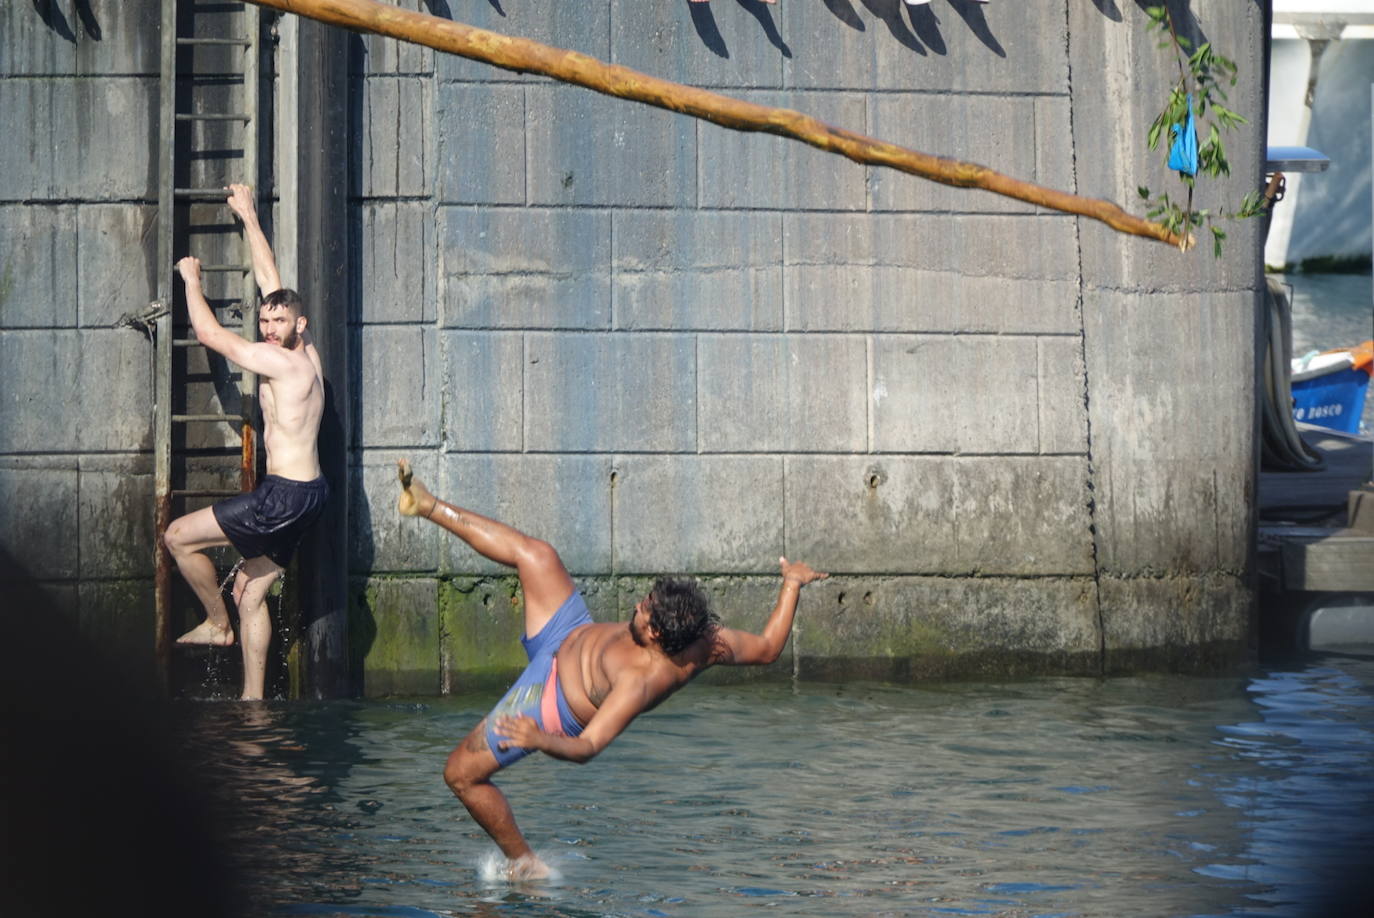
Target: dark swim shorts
[537,693]
[271,519]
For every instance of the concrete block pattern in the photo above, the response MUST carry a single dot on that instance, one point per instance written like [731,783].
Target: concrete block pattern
[396,623]
[1063,411]
[79,39]
[69,391]
[118,617]
[932,515]
[753,170]
[382,55]
[725,45]
[37,251]
[644,157]
[380,539]
[700,270]
[932,627]
[1054,162]
[610,391]
[397,142]
[68,154]
[115,505]
[796,393]
[1172,397]
[1003,133]
[704,514]
[397,268]
[484,391]
[524,268]
[116,261]
[562,25]
[563,500]
[481,130]
[1159,515]
[39,521]
[967,393]
[967,47]
[937,273]
[398,387]
[1136,80]
[481,623]
[1173,619]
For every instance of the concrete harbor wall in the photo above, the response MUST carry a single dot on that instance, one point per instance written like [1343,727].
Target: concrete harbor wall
[1019,441]
[78,97]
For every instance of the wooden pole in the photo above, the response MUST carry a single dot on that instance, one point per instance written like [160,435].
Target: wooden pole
[524,56]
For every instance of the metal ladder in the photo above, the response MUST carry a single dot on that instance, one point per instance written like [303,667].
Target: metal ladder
[209,126]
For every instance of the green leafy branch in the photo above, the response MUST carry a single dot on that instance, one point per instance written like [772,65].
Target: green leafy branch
[1202,74]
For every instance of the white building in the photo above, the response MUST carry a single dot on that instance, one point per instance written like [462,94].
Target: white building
[1325,47]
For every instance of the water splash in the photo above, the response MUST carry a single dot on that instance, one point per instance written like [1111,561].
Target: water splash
[224,584]
[493,869]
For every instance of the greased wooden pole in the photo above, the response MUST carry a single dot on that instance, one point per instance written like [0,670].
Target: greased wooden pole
[524,56]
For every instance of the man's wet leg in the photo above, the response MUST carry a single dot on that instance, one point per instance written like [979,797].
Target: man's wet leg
[544,580]
[255,578]
[185,539]
[468,774]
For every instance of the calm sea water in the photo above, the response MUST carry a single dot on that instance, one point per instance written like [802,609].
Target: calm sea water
[1330,311]
[1146,796]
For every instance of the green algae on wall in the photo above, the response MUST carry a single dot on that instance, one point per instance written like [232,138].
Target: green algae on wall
[481,621]
[396,637]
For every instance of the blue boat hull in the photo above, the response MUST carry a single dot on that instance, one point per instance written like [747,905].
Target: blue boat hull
[1333,400]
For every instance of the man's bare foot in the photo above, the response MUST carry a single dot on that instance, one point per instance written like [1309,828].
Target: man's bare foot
[415,499]
[527,867]
[208,633]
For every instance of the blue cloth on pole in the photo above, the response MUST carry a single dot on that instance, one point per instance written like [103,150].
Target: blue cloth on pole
[1183,154]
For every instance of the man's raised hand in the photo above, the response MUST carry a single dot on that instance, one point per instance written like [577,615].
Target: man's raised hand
[800,572]
[189,268]
[241,201]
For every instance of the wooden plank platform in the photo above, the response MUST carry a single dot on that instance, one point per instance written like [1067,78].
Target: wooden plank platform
[1303,543]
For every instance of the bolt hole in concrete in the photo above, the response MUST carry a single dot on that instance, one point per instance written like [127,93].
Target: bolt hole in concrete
[1160,795]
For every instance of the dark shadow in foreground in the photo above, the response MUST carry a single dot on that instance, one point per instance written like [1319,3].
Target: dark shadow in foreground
[99,816]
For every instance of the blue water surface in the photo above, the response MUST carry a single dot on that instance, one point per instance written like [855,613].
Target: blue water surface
[1150,796]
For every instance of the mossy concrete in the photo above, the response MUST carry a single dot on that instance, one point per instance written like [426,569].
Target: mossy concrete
[481,621]
[396,643]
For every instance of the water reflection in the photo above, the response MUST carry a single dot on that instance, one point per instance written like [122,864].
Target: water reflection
[1151,796]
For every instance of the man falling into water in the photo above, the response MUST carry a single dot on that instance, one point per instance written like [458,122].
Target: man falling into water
[585,681]
[265,525]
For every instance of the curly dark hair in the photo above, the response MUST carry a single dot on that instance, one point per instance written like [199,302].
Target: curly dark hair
[680,613]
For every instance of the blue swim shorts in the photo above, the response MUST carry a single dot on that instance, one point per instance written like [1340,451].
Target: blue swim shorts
[271,519]
[537,693]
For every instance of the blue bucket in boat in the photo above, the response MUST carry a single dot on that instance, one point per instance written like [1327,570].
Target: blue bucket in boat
[1333,400]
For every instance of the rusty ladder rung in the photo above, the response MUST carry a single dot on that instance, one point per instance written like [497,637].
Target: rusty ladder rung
[206,492]
[205,418]
[213,116]
[215,42]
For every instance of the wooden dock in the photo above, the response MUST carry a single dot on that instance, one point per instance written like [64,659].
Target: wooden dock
[1309,558]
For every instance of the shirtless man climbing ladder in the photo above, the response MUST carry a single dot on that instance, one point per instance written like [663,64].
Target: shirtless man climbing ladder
[585,681]
[265,525]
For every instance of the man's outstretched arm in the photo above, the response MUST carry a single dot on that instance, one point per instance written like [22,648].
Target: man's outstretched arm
[743,648]
[263,359]
[264,262]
